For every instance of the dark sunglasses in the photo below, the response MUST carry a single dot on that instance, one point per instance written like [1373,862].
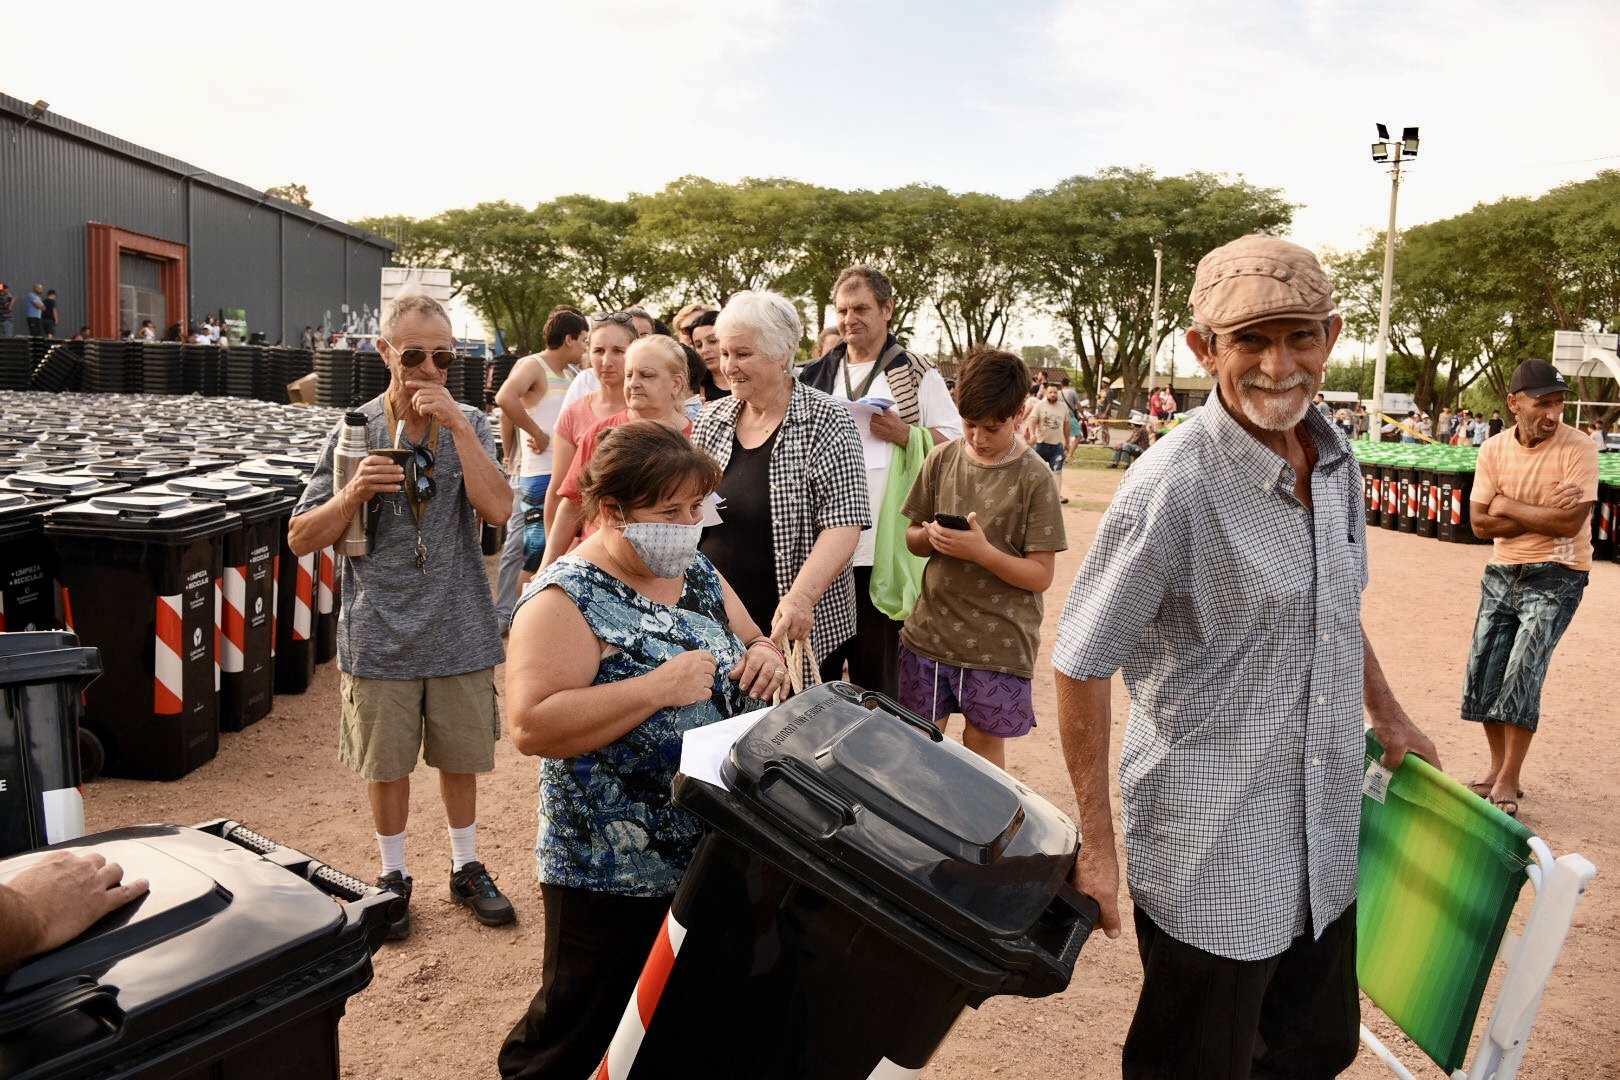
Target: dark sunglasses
[623,318]
[416,475]
[442,358]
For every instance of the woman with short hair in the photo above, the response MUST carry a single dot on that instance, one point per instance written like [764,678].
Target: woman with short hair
[617,650]
[794,497]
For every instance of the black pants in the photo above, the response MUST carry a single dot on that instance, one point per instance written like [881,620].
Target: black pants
[1204,1017]
[36,327]
[596,945]
[874,652]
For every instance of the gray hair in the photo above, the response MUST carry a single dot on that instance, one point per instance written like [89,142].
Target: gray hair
[875,279]
[770,317]
[413,302]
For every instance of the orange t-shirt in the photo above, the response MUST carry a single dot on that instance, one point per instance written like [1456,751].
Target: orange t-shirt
[1508,467]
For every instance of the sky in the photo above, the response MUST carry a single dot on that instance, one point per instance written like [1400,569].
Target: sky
[410,108]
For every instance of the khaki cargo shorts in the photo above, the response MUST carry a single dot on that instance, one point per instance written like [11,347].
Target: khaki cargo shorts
[451,721]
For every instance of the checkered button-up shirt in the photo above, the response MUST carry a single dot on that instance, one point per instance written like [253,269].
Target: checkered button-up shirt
[1235,613]
[818,482]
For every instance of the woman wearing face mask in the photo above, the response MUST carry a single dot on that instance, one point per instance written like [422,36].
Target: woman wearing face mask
[794,486]
[605,349]
[616,650]
[654,375]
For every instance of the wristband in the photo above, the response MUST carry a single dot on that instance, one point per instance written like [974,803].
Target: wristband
[769,644]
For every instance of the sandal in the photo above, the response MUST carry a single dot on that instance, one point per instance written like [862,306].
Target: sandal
[1482,788]
[1510,807]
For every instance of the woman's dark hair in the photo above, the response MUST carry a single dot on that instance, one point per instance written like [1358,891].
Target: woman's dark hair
[708,318]
[697,372]
[639,463]
[991,385]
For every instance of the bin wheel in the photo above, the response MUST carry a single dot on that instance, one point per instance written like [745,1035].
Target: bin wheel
[92,756]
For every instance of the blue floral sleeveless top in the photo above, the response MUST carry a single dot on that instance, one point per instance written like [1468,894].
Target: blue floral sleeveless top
[607,821]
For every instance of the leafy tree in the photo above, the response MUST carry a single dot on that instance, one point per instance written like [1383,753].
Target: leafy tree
[718,239]
[601,254]
[1091,243]
[981,270]
[297,194]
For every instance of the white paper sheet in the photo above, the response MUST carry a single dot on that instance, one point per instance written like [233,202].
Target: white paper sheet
[704,749]
[876,451]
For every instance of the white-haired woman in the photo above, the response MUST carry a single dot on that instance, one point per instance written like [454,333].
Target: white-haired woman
[794,486]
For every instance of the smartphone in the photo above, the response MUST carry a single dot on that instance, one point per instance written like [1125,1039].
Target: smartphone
[952,521]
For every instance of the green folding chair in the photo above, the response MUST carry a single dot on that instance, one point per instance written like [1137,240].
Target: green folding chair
[1440,872]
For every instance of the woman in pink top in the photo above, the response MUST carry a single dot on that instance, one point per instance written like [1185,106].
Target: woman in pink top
[605,348]
[655,386]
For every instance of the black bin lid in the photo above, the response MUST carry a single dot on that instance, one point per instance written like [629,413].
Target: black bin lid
[134,471]
[263,471]
[923,823]
[255,502]
[71,484]
[224,938]
[161,516]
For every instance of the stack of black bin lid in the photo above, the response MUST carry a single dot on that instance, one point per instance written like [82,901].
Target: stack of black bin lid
[334,377]
[503,365]
[39,346]
[160,365]
[371,377]
[16,363]
[195,360]
[471,381]
[114,367]
[61,370]
[242,365]
[284,366]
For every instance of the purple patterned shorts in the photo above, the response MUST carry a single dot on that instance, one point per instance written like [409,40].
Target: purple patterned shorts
[992,701]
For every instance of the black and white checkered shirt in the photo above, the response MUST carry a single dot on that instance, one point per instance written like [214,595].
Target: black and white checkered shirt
[1235,613]
[818,482]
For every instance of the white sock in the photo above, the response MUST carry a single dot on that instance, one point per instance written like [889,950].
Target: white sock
[393,853]
[463,846]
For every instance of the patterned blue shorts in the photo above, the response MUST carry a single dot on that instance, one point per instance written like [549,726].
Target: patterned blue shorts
[1523,611]
[995,702]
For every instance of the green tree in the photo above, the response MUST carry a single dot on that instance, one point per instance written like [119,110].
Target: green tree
[1092,263]
[714,240]
[981,270]
[297,194]
[601,254]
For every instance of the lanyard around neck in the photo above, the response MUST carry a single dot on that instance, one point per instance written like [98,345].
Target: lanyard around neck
[871,376]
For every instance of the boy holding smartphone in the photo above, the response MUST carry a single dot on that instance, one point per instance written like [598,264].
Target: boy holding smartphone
[986,515]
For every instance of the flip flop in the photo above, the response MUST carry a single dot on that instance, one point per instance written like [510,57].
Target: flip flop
[1482,788]
[1510,807]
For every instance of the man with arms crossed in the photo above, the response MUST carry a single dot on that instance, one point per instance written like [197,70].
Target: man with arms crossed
[417,643]
[1226,581]
[1534,487]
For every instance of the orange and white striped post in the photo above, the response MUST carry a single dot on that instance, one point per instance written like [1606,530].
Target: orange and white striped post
[168,683]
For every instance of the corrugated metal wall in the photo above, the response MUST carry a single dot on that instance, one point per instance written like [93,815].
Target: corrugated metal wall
[285,269]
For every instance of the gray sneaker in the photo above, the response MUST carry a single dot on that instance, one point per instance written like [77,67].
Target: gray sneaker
[400,886]
[473,886]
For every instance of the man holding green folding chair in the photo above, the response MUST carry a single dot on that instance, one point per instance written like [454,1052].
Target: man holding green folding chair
[1226,582]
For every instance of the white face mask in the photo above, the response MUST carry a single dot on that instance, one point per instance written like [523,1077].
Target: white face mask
[666,547]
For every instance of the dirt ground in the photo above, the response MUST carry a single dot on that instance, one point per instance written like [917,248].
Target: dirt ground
[442,1001]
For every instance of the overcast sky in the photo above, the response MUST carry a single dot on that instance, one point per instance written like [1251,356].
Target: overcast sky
[414,108]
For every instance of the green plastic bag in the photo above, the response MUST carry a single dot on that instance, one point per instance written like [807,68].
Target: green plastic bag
[897,574]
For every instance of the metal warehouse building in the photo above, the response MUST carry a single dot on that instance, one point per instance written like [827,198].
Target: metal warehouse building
[125,234]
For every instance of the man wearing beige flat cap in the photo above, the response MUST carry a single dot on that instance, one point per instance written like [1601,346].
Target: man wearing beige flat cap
[1225,581]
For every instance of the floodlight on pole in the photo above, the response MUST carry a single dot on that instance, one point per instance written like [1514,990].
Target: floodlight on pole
[1153,327]
[1393,152]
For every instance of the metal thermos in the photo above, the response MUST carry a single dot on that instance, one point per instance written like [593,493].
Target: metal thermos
[351,451]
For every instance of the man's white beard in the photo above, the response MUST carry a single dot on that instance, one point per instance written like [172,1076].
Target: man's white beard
[1269,413]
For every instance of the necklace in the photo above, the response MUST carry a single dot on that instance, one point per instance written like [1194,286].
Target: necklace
[1010,449]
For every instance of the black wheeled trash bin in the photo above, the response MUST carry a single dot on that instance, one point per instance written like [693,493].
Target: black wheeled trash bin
[29,597]
[41,677]
[140,573]
[860,882]
[238,964]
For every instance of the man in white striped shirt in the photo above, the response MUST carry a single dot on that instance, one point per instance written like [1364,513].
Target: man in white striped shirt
[1226,582]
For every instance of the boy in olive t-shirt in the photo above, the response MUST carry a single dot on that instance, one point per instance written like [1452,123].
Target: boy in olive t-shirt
[970,643]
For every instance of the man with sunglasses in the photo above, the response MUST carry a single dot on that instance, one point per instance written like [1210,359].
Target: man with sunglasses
[417,639]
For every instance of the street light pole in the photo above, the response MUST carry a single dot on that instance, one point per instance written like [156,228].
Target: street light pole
[1395,152]
[1153,327]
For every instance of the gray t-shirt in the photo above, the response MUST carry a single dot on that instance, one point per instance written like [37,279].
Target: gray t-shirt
[396,621]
